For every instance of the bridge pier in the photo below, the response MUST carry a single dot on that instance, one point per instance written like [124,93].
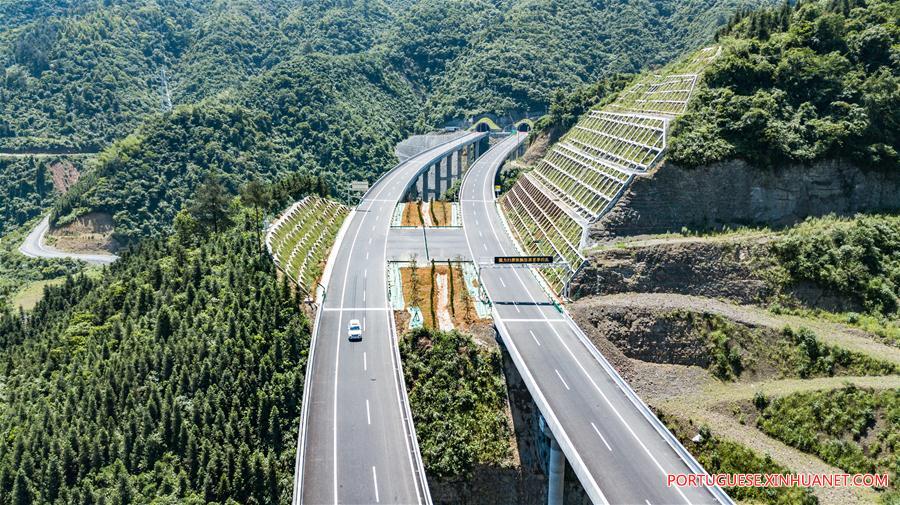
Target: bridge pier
[556,468]
[556,477]
[437,179]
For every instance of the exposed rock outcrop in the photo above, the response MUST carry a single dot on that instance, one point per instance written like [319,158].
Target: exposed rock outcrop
[714,268]
[734,193]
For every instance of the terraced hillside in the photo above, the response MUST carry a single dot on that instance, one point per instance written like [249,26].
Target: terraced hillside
[583,175]
[299,239]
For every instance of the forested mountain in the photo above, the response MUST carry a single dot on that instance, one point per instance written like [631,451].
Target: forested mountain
[83,76]
[533,47]
[817,80]
[177,377]
[338,116]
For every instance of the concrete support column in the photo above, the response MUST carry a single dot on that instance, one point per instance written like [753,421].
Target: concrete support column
[457,168]
[448,174]
[435,180]
[556,474]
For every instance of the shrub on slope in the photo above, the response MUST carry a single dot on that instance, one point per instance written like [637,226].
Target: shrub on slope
[800,84]
[457,396]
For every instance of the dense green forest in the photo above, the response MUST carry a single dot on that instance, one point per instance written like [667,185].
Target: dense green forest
[335,116]
[177,377]
[817,80]
[533,47]
[26,188]
[83,76]
[458,398]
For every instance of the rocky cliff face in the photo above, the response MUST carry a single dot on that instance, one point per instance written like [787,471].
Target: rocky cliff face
[740,268]
[713,268]
[735,193]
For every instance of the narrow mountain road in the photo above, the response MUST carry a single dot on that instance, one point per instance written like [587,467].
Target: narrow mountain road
[34,247]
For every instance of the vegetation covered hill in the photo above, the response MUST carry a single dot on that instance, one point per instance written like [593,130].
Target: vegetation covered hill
[338,117]
[533,47]
[267,87]
[176,377]
[27,186]
[81,76]
[817,80]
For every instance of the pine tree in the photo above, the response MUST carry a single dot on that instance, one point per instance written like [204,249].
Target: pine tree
[255,194]
[21,492]
[211,204]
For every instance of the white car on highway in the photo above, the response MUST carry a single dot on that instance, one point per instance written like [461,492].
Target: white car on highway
[354,330]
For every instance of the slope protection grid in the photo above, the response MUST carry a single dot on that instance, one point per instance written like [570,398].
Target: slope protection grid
[551,207]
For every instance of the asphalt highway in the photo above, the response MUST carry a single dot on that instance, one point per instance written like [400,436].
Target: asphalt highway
[617,453]
[356,443]
[439,244]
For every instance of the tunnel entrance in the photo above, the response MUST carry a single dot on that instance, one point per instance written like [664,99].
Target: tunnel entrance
[482,127]
[523,127]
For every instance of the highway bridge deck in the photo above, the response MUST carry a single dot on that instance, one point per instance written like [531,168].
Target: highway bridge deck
[619,453]
[356,441]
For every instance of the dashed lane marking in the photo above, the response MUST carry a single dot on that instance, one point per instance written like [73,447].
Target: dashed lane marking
[601,436]
[561,379]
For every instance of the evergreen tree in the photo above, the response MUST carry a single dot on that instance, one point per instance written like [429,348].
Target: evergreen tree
[211,203]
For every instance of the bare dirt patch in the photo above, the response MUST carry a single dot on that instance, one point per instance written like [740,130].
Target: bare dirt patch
[90,233]
[64,175]
[412,214]
[443,302]
[441,213]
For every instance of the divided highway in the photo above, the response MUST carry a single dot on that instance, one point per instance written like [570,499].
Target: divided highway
[617,452]
[356,441]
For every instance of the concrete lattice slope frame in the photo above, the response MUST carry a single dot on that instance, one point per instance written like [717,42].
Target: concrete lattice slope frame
[585,173]
[299,239]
